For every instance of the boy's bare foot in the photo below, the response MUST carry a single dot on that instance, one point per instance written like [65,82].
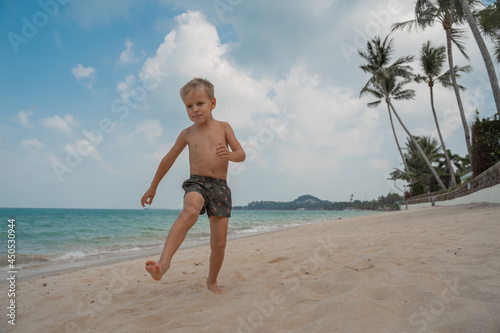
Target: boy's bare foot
[215,288]
[155,270]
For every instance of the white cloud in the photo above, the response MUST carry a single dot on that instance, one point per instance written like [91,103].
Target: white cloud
[33,143]
[124,86]
[151,129]
[322,123]
[179,57]
[133,93]
[329,125]
[23,118]
[192,37]
[81,72]
[83,148]
[84,74]
[127,56]
[59,124]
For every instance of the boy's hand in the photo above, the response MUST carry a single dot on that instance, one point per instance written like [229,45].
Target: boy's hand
[222,151]
[147,198]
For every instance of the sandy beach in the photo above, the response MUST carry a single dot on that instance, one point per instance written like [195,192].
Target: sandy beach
[433,269]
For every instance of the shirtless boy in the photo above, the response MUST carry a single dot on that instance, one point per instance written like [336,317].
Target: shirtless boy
[206,189]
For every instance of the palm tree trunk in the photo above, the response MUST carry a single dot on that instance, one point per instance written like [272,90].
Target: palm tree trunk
[397,142]
[490,67]
[455,87]
[448,161]
[426,159]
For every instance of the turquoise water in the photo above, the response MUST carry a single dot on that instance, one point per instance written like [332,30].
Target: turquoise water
[45,236]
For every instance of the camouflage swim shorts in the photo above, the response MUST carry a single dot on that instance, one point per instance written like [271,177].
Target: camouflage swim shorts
[215,191]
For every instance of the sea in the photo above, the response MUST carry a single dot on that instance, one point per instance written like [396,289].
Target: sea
[50,240]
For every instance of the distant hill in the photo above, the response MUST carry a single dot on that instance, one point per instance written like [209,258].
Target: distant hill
[304,202]
[307,197]
[309,202]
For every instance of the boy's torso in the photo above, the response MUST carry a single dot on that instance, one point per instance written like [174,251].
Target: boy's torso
[202,142]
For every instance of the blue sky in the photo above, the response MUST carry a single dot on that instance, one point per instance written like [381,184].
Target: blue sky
[89,97]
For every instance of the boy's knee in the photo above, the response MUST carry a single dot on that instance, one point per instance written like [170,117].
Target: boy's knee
[219,246]
[191,214]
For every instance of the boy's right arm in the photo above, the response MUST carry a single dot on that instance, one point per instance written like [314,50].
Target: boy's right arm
[165,165]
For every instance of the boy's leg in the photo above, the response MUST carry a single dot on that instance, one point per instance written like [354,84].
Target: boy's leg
[218,237]
[193,202]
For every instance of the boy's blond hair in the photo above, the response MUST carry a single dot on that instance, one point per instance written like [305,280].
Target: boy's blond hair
[198,83]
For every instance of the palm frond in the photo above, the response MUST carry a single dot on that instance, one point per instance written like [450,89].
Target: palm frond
[421,78]
[458,70]
[404,95]
[432,59]
[377,93]
[489,18]
[497,50]
[374,104]
[408,25]
[457,37]
[428,16]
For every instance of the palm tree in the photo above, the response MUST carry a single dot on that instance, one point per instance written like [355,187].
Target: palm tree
[378,56]
[395,91]
[414,159]
[461,163]
[489,21]
[447,13]
[419,171]
[432,61]
[390,78]
[490,67]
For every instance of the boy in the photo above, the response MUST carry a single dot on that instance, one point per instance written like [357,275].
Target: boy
[206,189]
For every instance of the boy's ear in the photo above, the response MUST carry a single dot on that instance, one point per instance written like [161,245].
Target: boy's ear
[214,102]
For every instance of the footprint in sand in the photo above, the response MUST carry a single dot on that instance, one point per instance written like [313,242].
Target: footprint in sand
[360,269]
[238,277]
[275,260]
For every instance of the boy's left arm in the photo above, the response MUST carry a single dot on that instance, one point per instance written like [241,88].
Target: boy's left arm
[237,154]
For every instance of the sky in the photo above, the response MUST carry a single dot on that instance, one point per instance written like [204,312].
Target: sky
[90,103]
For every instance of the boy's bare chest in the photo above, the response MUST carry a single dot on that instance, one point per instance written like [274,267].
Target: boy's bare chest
[208,140]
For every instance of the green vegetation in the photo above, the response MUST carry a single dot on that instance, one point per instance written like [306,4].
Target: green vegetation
[428,165]
[489,21]
[485,143]
[309,202]
[420,179]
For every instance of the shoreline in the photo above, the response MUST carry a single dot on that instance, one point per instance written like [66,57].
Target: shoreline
[374,273]
[46,269]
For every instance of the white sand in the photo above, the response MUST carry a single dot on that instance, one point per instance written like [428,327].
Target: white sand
[429,270]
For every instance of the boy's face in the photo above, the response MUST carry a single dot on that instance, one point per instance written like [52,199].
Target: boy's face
[199,106]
